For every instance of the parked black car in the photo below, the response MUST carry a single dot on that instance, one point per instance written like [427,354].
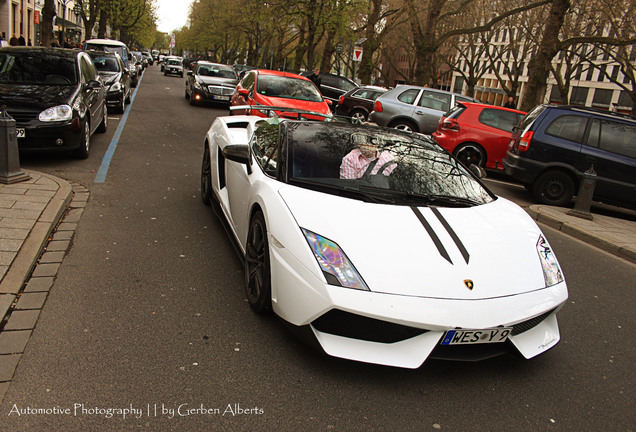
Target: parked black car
[212,82]
[116,79]
[554,145]
[333,86]
[357,103]
[55,96]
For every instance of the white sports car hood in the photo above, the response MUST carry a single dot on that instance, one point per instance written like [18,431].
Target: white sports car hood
[426,251]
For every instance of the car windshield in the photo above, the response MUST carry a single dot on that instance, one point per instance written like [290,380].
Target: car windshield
[379,165]
[288,87]
[37,68]
[173,63]
[215,71]
[106,64]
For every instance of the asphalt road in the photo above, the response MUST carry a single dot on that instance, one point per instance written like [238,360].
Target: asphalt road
[148,315]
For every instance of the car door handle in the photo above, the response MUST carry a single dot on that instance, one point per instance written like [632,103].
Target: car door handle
[419,112]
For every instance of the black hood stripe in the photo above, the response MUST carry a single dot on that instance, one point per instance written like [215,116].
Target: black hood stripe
[452,233]
[431,233]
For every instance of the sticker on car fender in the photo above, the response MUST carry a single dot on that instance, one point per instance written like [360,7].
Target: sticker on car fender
[465,337]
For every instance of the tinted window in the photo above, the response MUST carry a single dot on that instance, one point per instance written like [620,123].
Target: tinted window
[106,64]
[456,111]
[88,69]
[344,84]
[499,119]
[618,137]
[568,127]
[436,101]
[367,94]
[265,147]
[37,68]
[215,71]
[462,99]
[408,97]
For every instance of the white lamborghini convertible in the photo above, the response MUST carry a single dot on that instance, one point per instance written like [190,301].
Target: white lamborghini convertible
[378,244]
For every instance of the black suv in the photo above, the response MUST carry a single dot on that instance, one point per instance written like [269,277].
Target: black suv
[333,86]
[554,145]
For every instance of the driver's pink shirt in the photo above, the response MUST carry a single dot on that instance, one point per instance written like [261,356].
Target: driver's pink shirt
[354,164]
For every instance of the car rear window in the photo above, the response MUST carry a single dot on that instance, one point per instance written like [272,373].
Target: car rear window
[456,111]
[568,127]
[499,119]
[408,96]
[531,116]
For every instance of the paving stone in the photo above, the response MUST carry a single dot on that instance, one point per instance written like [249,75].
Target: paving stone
[7,245]
[22,320]
[16,223]
[4,386]
[14,342]
[57,246]
[8,363]
[36,284]
[52,257]
[14,233]
[46,270]
[31,300]
[67,226]
[63,235]
[6,258]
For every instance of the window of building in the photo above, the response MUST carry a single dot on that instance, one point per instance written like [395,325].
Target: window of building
[555,95]
[602,98]
[625,101]
[579,95]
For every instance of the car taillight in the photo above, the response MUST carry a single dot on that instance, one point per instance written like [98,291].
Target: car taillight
[377,106]
[524,141]
[449,124]
[341,100]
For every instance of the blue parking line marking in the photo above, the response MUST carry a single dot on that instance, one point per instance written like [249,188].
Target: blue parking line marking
[103,168]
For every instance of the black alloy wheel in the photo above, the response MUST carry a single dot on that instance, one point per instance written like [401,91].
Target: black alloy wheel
[554,188]
[257,268]
[470,154]
[206,177]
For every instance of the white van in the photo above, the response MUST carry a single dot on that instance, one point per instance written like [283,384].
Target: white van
[110,45]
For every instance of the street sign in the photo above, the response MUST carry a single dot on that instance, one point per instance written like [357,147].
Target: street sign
[357,54]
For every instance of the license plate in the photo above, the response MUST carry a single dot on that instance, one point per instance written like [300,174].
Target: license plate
[20,132]
[465,337]
[225,98]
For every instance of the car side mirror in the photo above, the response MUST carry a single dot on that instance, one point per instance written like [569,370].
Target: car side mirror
[93,84]
[478,171]
[328,101]
[239,153]
[244,92]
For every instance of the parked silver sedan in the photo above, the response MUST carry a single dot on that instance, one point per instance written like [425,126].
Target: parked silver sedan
[414,108]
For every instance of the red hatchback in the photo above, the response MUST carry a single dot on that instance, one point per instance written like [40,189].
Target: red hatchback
[477,133]
[279,89]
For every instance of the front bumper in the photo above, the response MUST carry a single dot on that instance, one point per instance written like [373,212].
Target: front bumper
[213,94]
[171,71]
[404,331]
[62,136]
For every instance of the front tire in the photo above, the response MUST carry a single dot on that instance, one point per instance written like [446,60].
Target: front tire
[103,125]
[358,117]
[554,188]
[257,266]
[206,177]
[85,142]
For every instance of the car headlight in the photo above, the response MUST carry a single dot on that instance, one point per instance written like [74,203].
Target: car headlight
[56,113]
[335,265]
[115,87]
[551,271]
[197,85]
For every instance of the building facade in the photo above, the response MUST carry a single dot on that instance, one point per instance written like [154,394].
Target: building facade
[23,19]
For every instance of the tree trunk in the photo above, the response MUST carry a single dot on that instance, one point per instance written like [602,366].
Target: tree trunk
[48,14]
[539,65]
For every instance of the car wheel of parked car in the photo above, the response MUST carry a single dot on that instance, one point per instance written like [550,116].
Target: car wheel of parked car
[103,126]
[405,125]
[128,98]
[206,177]
[192,100]
[554,188]
[470,154]
[186,94]
[85,142]
[358,117]
[121,106]
[257,270]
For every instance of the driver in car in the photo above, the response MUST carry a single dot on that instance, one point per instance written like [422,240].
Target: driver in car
[366,159]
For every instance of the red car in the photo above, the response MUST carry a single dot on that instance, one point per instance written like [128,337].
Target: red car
[477,133]
[279,89]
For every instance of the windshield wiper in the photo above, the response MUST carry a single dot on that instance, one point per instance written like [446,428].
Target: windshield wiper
[454,200]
